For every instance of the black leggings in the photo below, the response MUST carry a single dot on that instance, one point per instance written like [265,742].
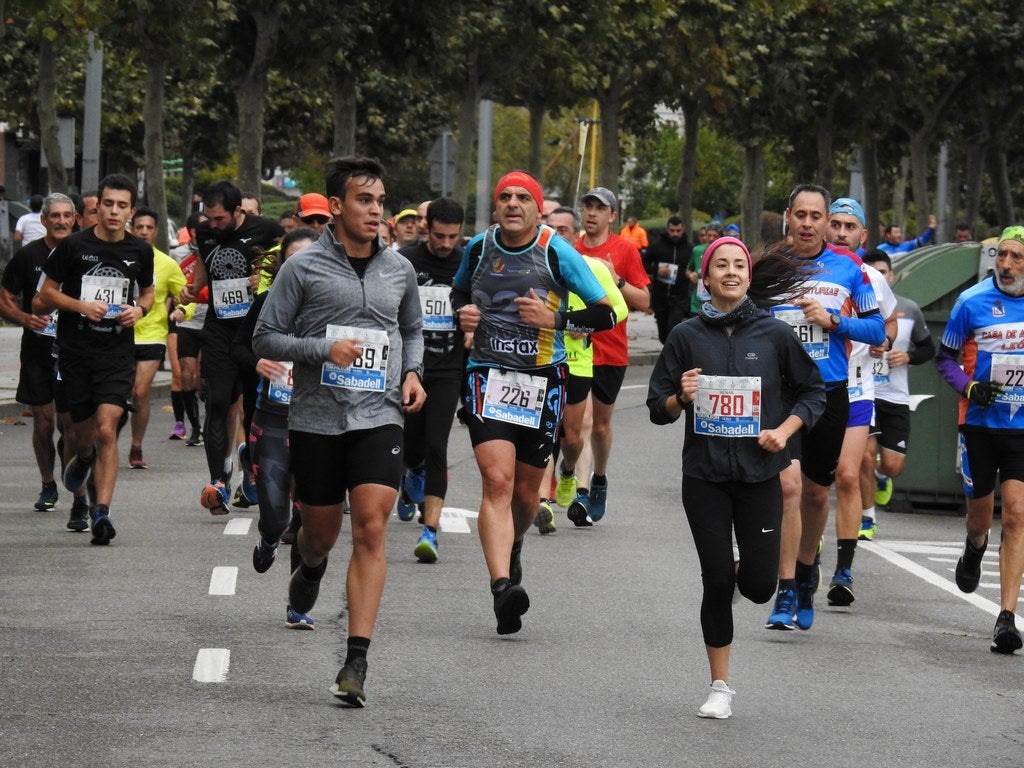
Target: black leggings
[271,465]
[713,511]
[426,432]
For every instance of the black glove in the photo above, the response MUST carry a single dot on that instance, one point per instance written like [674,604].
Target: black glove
[983,393]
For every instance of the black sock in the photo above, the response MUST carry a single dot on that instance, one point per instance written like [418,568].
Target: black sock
[177,405]
[803,572]
[357,648]
[431,528]
[500,585]
[314,572]
[787,584]
[191,405]
[845,549]
[598,480]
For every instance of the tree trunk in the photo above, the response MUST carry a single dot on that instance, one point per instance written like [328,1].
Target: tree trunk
[974,178]
[251,95]
[1002,191]
[919,144]
[610,103]
[826,161]
[899,195]
[752,193]
[49,136]
[871,201]
[153,140]
[535,161]
[344,88]
[467,133]
[688,164]
[188,181]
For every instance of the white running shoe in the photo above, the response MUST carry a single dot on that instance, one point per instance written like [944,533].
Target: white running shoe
[719,703]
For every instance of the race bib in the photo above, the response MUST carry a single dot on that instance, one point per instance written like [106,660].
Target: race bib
[1008,370]
[727,406]
[113,291]
[368,372]
[667,273]
[436,308]
[880,370]
[702,292]
[279,388]
[813,337]
[514,397]
[51,326]
[231,298]
[855,382]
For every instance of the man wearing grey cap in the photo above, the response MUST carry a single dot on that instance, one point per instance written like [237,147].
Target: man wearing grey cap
[611,351]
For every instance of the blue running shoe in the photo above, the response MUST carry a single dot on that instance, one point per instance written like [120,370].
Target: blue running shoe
[406,507]
[804,616]
[883,493]
[416,484]
[426,547]
[598,499]
[102,529]
[295,620]
[782,615]
[840,591]
[77,472]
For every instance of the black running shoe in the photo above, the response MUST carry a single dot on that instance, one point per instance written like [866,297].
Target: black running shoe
[579,510]
[263,556]
[968,567]
[102,529]
[303,590]
[509,606]
[515,564]
[78,520]
[1006,638]
[47,497]
[348,685]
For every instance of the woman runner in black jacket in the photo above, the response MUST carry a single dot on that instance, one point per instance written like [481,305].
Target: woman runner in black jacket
[747,386]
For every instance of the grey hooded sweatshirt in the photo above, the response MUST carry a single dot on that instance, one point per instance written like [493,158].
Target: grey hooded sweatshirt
[317,287]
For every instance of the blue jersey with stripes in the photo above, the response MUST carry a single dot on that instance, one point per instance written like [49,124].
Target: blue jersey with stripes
[988,326]
[494,276]
[841,285]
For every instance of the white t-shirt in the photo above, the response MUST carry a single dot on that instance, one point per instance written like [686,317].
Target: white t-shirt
[31,227]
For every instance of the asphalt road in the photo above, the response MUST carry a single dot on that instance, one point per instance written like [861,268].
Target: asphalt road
[100,644]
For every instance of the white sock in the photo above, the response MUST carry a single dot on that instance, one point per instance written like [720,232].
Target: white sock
[868,513]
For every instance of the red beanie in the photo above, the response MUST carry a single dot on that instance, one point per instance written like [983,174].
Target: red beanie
[706,258]
[521,179]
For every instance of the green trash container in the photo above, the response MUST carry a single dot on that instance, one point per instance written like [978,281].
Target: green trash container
[933,277]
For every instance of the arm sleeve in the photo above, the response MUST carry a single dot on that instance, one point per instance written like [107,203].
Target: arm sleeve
[574,271]
[950,370]
[664,383]
[272,338]
[410,324]
[869,328]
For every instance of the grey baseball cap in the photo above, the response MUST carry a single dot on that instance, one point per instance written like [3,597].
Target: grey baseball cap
[604,195]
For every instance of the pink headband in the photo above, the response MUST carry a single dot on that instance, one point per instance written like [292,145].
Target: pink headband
[706,259]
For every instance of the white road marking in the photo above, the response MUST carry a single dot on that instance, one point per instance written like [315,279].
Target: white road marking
[237,526]
[886,552]
[633,386]
[211,665]
[222,580]
[453,519]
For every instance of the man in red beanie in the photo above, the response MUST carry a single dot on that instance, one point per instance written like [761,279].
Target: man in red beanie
[510,298]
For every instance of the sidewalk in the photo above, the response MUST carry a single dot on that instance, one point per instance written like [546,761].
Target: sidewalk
[643,350]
